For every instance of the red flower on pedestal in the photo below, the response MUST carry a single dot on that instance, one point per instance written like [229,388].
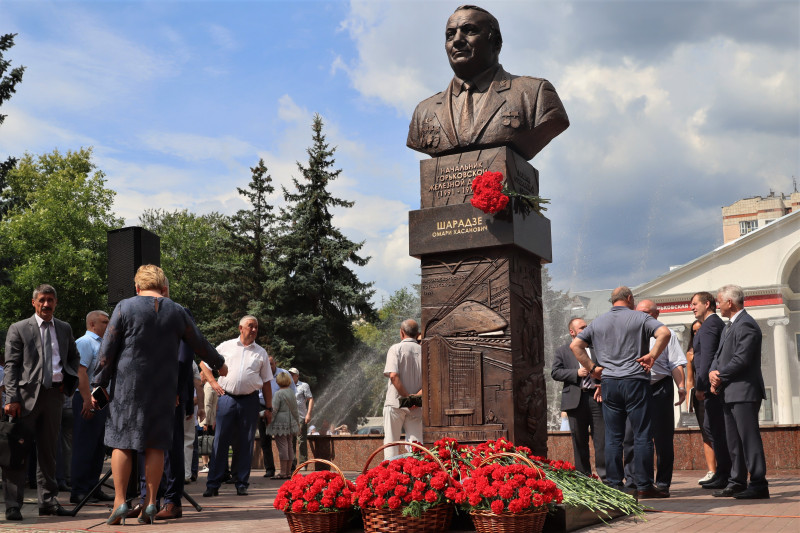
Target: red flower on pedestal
[488,194]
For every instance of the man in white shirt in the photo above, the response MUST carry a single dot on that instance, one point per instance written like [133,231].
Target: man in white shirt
[667,369]
[238,405]
[404,370]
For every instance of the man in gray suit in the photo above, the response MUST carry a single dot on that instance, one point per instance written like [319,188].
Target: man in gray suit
[41,365]
[736,377]
[579,400]
[485,106]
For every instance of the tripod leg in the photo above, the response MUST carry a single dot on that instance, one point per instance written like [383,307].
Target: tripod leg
[192,501]
[85,499]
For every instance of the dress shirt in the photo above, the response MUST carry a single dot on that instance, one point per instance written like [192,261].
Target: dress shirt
[302,395]
[587,382]
[88,346]
[739,312]
[58,377]
[248,367]
[672,358]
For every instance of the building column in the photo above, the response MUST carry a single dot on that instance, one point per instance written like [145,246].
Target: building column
[783,392]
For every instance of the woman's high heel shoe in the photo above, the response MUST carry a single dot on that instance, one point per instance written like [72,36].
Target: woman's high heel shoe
[118,515]
[149,514]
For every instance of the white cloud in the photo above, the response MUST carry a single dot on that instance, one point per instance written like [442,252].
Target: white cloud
[223,37]
[99,66]
[192,147]
[23,132]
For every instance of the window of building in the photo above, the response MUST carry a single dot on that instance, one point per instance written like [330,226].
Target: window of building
[765,413]
[746,226]
[769,221]
[797,345]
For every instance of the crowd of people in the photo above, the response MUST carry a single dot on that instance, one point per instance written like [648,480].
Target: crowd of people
[618,374]
[133,386]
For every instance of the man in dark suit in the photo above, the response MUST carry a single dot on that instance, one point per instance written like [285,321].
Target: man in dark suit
[41,364]
[579,400]
[736,377]
[705,344]
[485,106]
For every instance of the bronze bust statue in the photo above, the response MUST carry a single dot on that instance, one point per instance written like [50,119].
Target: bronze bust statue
[484,106]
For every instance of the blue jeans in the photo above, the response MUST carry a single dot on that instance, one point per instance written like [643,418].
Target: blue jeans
[628,399]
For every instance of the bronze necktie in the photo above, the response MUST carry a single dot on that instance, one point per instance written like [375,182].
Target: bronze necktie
[465,126]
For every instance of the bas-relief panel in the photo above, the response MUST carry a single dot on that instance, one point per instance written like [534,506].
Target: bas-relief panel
[480,352]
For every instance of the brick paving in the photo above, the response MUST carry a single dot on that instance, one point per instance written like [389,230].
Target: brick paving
[690,508]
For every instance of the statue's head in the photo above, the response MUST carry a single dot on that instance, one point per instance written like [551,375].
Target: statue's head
[472,41]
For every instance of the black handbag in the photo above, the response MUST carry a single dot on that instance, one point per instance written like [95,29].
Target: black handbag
[14,441]
[205,444]
[414,400]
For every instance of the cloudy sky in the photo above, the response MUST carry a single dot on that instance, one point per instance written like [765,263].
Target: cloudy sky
[677,108]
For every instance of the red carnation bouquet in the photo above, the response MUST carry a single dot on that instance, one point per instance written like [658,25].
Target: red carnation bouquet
[469,463]
[317,492]
[490,195]
[514,488]
[487,193]
[408,483]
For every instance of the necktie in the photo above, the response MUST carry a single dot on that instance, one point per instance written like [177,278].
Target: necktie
[587,382]
[47,367]
[465,125]
[726,331]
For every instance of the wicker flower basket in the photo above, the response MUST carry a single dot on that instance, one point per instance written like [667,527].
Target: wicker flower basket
[488,522]
[525,522]
[329,522]
[434,520]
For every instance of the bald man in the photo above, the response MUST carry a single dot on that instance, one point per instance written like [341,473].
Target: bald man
[667,369]
[404,370]
[624,360]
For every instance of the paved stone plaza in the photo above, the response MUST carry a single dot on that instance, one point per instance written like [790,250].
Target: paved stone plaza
[689,509]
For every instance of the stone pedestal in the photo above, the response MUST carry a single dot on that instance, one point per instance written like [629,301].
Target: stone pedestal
[481,304]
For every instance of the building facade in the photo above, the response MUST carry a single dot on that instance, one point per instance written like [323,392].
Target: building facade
[749,214]
[765,262]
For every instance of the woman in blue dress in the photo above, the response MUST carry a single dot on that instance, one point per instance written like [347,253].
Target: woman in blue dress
[138,370]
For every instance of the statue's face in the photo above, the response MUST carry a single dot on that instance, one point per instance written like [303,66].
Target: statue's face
[468,43]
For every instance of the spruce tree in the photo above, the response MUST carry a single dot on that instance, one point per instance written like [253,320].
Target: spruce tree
[246,268]
[8,83]
[8,199]
[317,293]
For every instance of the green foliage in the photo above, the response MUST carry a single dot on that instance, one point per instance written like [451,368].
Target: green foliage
[57,234]
[557,306]
[317,296]
[384,332]
[243,274]
[380,336]
[192,259]
[8,84]
[357,388]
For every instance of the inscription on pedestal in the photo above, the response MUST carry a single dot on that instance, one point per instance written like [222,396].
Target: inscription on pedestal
[447,180]
[463,227]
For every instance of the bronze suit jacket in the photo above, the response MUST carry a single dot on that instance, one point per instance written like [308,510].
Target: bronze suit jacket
[518,111]
[24,357]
